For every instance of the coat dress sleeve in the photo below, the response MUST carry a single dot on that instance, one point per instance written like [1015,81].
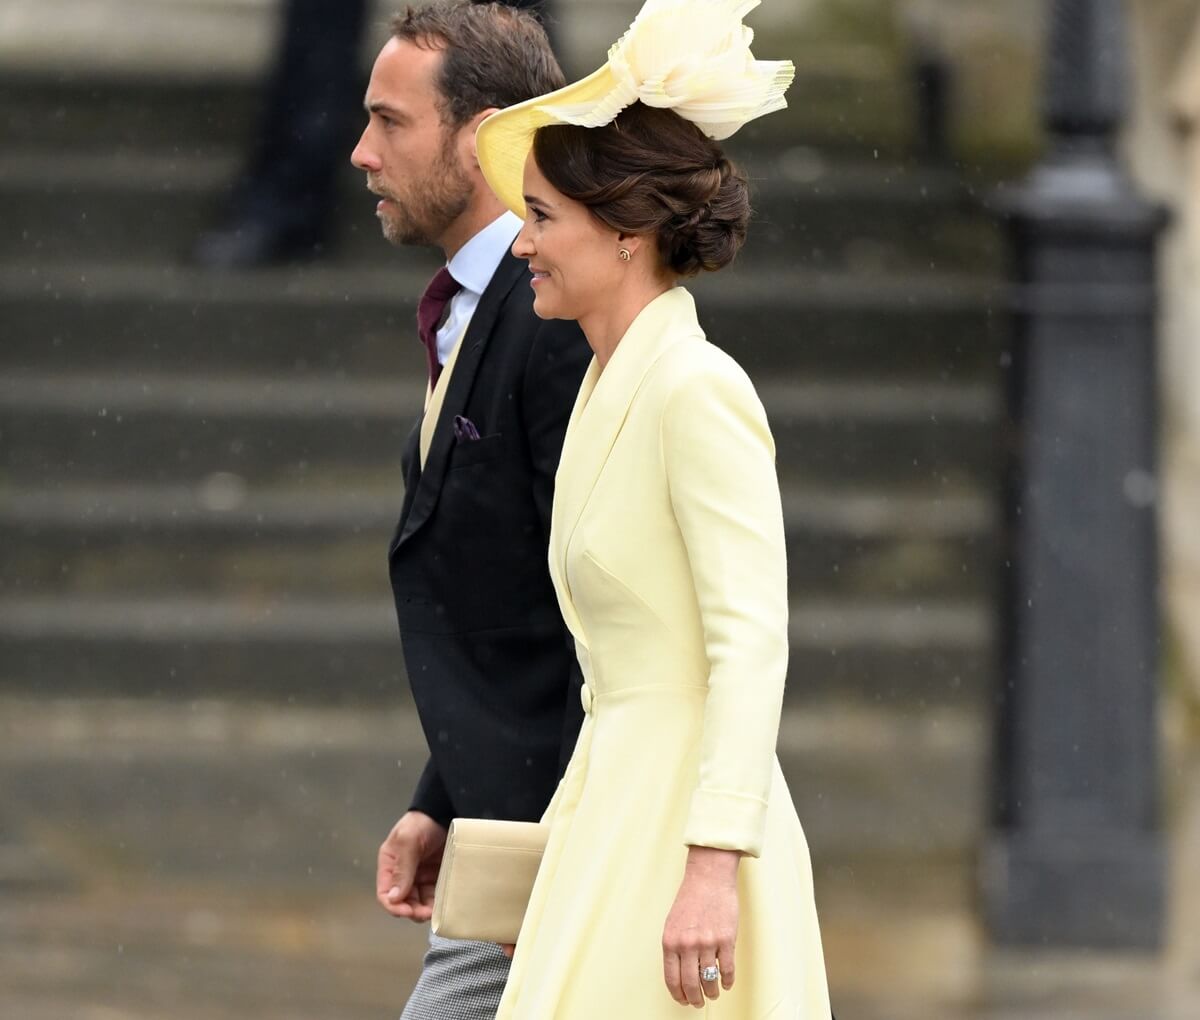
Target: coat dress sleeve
[720,466]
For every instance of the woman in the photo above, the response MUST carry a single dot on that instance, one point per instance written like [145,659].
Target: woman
[673,837]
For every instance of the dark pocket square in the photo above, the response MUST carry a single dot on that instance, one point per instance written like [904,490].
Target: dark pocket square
[464,429]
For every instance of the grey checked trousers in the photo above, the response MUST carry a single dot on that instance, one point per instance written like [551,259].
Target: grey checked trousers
[459,981]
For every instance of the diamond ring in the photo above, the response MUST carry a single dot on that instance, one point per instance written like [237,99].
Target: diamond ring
[710,973]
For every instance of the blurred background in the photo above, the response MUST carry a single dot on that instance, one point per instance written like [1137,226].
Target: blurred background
[970,303]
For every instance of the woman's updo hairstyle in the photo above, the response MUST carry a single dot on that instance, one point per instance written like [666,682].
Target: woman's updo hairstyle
[651,172]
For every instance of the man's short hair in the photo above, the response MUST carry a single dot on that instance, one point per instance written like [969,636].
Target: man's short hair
[494,55]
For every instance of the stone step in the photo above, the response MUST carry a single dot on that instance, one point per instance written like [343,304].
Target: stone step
[171,428]
[844,97]
[780,320]
[861,776]
[809,209]
[892,651]
[220,539]
[124,112]
[829,213]
[220,851]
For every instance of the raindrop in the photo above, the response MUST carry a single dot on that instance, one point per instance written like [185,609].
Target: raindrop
[802,164]
[1140,487]
[223,491]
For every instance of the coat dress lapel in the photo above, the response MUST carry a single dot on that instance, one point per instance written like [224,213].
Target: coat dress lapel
[458,390]
[601,408]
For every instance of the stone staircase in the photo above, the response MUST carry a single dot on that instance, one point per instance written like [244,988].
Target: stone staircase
[200,471]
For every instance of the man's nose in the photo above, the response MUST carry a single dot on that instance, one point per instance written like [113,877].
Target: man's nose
[362,157]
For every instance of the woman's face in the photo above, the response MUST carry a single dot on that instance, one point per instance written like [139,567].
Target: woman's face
[573,257]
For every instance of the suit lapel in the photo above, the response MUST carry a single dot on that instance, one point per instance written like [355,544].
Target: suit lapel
[458,390]
[600,411]
[435,399]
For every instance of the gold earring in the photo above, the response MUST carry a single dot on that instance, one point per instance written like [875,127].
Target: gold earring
[624,254]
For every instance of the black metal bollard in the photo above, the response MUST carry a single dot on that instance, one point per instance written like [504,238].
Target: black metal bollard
[1075,853]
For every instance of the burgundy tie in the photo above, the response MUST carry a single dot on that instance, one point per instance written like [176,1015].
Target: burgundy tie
[433,303]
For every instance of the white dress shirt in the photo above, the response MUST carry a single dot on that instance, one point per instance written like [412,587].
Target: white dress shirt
[474,265]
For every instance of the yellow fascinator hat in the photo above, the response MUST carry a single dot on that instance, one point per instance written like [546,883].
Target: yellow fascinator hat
[690,56]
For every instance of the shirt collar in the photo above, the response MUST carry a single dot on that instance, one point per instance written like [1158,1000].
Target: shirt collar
[475,263]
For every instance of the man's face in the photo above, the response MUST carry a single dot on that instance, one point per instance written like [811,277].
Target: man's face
[413,161]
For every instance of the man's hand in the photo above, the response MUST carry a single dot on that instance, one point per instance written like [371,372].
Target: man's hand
[409,861]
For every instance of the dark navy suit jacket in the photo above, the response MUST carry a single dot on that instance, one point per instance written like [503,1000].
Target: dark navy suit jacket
[489,660]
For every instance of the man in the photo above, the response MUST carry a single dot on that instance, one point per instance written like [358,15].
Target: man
[283,204]
[487,654]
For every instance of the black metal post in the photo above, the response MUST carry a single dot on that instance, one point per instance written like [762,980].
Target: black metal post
[1075,853]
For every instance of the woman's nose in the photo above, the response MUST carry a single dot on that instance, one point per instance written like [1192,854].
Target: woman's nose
[521,247]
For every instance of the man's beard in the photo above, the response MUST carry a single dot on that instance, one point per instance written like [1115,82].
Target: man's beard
[430,205]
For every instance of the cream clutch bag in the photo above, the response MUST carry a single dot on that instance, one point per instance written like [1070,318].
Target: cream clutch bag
[488,870]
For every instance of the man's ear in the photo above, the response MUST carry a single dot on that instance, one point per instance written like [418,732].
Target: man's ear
[473,125]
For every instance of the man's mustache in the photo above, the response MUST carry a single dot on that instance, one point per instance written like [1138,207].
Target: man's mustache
[375,189]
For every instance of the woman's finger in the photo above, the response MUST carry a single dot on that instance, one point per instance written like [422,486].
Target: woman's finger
[725,962]
[671,976]
[711,986]
[689,977]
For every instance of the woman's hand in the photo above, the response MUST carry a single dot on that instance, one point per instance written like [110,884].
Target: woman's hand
[701,928]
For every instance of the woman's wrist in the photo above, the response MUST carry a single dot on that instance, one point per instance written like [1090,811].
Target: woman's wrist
[712,864]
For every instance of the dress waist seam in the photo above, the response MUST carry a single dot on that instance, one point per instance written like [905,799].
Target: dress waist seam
[590,696]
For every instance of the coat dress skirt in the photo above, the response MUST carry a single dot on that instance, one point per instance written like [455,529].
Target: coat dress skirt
[667,554]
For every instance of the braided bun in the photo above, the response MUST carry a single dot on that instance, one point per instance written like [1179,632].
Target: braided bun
[707,235]
[651,172]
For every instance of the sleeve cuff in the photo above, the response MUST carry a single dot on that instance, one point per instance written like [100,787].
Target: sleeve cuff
[726,821]
[430,797]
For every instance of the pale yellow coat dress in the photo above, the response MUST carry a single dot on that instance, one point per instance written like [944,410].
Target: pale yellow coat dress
[667,553]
